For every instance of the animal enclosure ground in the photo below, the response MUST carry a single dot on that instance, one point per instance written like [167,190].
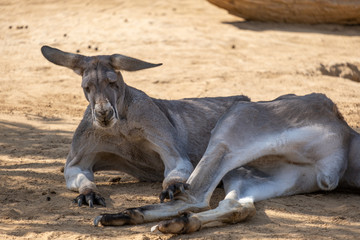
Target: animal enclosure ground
[205,52]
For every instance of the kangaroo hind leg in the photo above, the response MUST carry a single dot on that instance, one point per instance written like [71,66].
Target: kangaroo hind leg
[244,186]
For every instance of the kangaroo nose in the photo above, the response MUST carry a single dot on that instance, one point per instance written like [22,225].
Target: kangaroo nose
[104,114]
[101,113]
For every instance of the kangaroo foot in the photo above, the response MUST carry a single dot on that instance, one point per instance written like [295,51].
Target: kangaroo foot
[130,216]
[187,223]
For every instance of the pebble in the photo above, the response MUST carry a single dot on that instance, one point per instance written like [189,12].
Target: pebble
[19,27]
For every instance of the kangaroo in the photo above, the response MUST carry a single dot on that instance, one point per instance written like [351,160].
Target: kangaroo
[258,150]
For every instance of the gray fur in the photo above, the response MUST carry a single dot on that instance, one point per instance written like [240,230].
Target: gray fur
[151,139]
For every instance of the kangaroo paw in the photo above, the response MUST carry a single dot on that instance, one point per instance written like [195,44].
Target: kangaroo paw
[173,190]
[91,198]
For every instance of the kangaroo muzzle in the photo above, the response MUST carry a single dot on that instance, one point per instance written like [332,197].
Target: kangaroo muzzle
[104,114]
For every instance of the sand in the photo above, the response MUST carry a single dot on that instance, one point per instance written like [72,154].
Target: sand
[205,52]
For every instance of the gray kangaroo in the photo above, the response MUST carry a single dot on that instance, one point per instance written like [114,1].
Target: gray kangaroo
[258,150]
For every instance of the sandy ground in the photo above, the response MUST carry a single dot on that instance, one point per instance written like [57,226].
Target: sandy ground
[205,52]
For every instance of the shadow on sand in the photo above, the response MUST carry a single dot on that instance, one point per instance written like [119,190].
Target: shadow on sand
[328,29]
[21,139]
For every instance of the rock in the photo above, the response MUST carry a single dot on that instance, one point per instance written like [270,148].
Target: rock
[302,11]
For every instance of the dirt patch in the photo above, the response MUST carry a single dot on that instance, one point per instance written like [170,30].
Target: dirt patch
[343,70]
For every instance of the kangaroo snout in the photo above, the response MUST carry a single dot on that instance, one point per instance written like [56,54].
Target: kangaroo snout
[104,114]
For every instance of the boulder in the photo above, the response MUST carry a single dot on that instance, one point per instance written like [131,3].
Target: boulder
[291,11]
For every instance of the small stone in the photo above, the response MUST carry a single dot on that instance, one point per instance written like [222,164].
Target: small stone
[48,198]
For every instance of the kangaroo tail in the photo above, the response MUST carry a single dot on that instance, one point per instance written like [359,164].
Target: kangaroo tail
[352,174]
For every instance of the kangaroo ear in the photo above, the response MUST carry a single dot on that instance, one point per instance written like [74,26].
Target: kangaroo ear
[121,62]
[75,62]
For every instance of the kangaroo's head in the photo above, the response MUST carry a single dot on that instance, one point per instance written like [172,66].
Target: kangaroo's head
[102,82]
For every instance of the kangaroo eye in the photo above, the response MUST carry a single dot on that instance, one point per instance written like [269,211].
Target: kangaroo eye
[87,89]
[113,84]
